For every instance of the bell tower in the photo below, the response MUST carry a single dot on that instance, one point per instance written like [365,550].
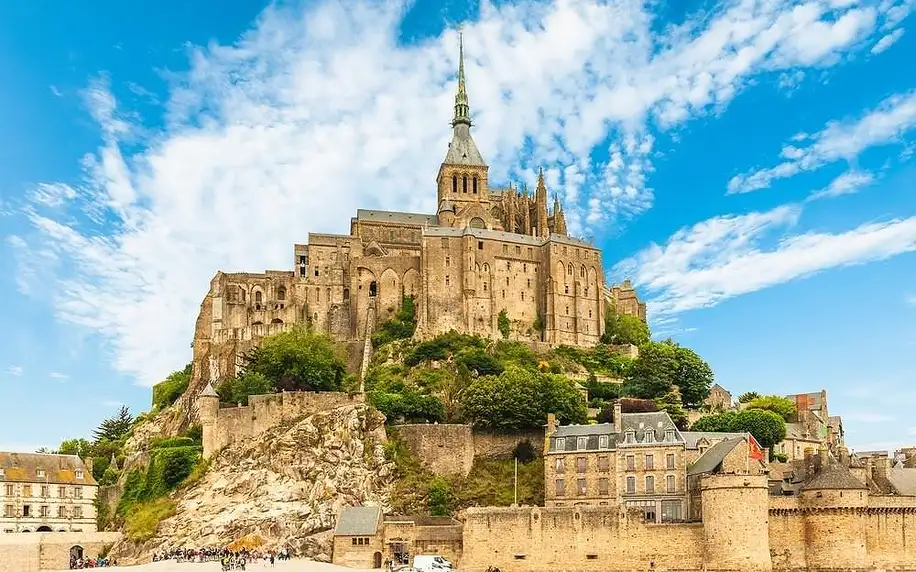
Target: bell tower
[463,194]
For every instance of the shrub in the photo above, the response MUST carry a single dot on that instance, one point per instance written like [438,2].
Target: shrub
[439,499]
[442,347]
[400,326]
[141,523]
[524,452]
[502,323]
[168,391]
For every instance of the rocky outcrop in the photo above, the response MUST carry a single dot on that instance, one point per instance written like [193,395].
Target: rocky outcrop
[287,486]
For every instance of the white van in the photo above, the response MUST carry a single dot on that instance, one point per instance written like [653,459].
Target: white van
[431,563]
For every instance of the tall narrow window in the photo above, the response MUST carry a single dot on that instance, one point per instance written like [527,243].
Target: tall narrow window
[650,484]
[454,184]
[670,483]
[475,185]
[464,184]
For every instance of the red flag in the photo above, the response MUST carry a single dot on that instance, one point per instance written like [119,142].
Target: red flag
[754,450]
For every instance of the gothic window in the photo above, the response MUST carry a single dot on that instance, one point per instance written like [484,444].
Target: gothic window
[257,297]
[475,185]
[464,183]
[281,293]
[454,184]
[569,270]
[346,294]
[373,288]
[582,272]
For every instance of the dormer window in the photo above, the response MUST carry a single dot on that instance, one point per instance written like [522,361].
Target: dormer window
[79,474]
[582,443]
[561,444]
[603,442]
[649,436]
[669,435]
[40,473]
[631,436]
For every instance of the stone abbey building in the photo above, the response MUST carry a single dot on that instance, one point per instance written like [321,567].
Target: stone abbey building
[486,250]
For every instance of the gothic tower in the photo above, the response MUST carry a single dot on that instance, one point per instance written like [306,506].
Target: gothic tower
[462,182]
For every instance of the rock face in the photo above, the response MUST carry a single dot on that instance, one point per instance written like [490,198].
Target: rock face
[287,486]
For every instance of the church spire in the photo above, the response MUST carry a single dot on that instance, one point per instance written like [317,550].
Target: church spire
[462,110]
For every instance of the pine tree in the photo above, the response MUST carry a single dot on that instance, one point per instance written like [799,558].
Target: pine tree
[114,427]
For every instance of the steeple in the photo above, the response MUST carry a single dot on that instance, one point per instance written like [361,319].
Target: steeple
[462,109]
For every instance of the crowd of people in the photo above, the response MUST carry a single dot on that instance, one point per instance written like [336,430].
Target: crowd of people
[82,563]
[229,559]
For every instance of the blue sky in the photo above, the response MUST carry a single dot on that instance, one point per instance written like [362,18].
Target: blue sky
[748,164]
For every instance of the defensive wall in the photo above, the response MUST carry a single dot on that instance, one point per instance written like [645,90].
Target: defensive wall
[448,449]
[33,551]
[223,426]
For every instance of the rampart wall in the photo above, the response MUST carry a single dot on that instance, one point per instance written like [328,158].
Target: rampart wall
[265,411]
[33,551]
[451,448]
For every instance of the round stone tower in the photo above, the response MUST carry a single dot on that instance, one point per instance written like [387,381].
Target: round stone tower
[207,409]
[735,522]
[834,504]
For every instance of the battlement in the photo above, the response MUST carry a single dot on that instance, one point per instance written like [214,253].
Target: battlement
[227,425]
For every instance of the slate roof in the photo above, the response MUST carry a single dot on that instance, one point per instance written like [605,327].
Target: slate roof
[416,219]
[638,423]
[692,438]
[209,391]
[903,480]
[713,457]
[358,521]
[58,469]
[462,150]
[833,477]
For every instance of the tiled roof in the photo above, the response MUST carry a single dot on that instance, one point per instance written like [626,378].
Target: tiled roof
[834,476]
[58,469]
[638,423]
[903,480]
[358,520]
[714,456]
[692,438]
[418,219]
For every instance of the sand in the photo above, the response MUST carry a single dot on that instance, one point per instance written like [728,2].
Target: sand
[294,565]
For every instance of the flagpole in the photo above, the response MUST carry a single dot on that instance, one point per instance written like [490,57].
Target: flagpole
[516,481]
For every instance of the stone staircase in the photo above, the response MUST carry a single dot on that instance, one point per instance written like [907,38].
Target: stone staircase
[367,344]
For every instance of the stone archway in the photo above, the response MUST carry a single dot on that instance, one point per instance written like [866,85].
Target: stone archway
[477,222]
[377,560]
[76,552]
[43,528]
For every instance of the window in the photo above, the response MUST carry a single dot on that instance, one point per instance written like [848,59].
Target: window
[603,486]
[62,492]
[446,279]
[670,484]
[669,435]
[650,462]
[9,490]
[568,268]
[78,492]
[631,436]
[650,484]
[26,510]
[529,252]
[448,261]
[77,512]
[40,473]
[317,271]
[525,269]
[669,461]
[454,184]
[529,282]
[581,487]
[649,436]
[671,511]
[604,464]
[505,249]
[631,485]
[26,490]
[353,540]
[581,464]
[603,442]
[479,245]
[582,272]
[582,443]
[475,185]
[302,260]
[302,272]
[508,265]
[61,512]
[561,464]
[561,487]
[44,511]
[523,296]
[484,286]
[9,511]
[518,250]
[464,184]
[560,444]
[45,491]
[631,462]
[281,293]
[566,289]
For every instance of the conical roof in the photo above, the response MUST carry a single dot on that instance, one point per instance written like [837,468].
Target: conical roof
[209,391]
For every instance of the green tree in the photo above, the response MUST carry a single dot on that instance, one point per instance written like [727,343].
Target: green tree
[299,359]
[653,372]
[400,327]
[630,330]
[521,399]
[748,396]
[168,391]
[237,389]
[79,447]
[781,406]
[115,427]
[439,499]
[693,377]
[768,428]
[502,322]
[671,404]
[409,405]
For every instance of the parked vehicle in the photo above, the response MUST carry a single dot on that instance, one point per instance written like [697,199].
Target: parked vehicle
[431,563]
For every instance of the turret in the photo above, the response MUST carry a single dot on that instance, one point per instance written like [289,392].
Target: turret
[735,522]
[207,410]
[540,198]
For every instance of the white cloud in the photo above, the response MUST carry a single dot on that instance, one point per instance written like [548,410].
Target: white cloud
[55,91]
[52,194]
[14,370]
[58,376]
[839,140]
[887,41]
[727,256]
[847,183]
[311,115]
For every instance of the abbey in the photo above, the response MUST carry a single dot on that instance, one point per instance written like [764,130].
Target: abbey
[487,251]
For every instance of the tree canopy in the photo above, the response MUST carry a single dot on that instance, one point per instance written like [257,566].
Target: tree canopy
[298,359]
[168,391]
[782,406]
[115,427]
[624,329]
[521,399]
[767,427]
[661,365]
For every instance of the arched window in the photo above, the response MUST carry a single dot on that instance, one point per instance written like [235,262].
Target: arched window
[281,293]
[373,289]
[465,184]
[475,185]
[346,294]
[454,183]
[569,269]
[276,321]
[257,297]
[582,272]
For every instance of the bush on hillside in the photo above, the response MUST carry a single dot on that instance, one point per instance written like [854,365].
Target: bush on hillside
[443,347]
[298,360]
[401,326]
[168,391]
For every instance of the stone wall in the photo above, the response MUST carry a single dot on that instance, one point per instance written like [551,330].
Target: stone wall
[233,424]
[29,552]
[451,448]
[576,539]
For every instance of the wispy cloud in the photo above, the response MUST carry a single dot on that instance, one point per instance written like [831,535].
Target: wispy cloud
[839,140]
[55,91]
[887,41]
[257,131]
[727,256]
[14,370]
[846,184]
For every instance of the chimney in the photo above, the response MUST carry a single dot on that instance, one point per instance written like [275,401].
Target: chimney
[844,456]
[822,458]
[88,462]
[618,417]
[809,462]
[551,423]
